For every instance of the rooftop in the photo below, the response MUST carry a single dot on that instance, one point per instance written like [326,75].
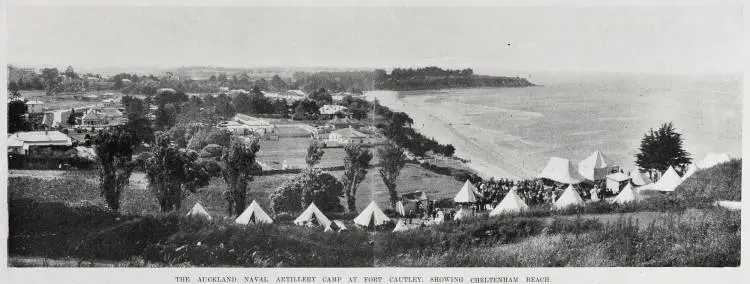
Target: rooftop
[39,136]
[349,133]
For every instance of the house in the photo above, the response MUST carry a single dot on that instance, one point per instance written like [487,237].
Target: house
[296,93]
[126,81]
[20,142]
[35,106]
[617,181]
[348,136]
[56,118]
[243,77]
[111,103]
[333,110]
[93,118]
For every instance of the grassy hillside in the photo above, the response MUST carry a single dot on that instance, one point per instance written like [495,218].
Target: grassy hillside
[721,182]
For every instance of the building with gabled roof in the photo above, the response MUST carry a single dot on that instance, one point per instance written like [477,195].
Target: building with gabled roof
[348,136]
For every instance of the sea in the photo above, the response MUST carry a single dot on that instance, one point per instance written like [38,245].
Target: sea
[512,132]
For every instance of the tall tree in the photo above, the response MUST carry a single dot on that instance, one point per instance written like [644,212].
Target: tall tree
[70,73]
[72,117]
[16,111]
[297,193]
[51,77]
[314,154]
[661,149]
[173,172]
[239,167]
[356,163]
[114,148]
[392,160]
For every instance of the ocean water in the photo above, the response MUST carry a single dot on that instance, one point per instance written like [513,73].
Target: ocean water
[513,131]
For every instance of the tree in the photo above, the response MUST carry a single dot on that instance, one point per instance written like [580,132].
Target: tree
[70,73]
[114,149]
[297,193]
[166,117]
[356,162]
[314,154]
[392,160]
[172,172]
[16,111]
[321,95]
[13,92]
[141,127]
[239,167]
[222,77]
[72,117]
[51,77]
[661,149]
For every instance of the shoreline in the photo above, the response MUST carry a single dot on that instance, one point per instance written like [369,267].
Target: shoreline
[437,127]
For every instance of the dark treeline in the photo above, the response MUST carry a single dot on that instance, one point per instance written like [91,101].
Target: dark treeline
[437,78]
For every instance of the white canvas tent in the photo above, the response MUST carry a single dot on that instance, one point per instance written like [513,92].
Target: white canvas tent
[401,226]
[713,159]
[253,214]
[511,203]
[372,216]
[628,194]
[668,181]
[570,197]
[560,170]
[596,166]
[638,178]
[312,215]
[198,212]
[467,194]
[691,169]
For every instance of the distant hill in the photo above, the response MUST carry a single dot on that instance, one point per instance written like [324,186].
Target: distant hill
[436,78]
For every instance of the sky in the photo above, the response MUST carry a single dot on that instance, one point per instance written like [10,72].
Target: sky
[695,40]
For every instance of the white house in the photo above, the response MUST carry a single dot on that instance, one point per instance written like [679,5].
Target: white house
[34,106]
[20,142]
[348,136]
[333,110]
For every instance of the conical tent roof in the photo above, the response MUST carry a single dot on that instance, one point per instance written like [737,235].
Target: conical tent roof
[400,226]
[628,194]
[467,194]
[400,208]
[669,181]
[253,214]
[198,211]
[638,178]
[560,170]
[310,215]
[588,166]
[570,197]
[510,203]
[371,216]
[596,160]
[692,168]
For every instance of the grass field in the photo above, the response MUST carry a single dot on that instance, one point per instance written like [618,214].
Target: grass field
[58,218]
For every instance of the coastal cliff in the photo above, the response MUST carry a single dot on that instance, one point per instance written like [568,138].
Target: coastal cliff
[437,78]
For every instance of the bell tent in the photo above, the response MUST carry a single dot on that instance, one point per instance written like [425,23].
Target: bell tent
[371,217]
[467,194]
[638,178]
[570,197]
[401,226]
[510,204]
[628,194]
[312,216]
[713,159]
[668,181]
[596,166]
[198,212]
[560,170]
[253,214]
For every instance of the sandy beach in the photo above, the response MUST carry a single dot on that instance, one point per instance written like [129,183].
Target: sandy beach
[440,125]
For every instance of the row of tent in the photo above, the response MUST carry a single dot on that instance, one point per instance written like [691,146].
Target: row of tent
[597,167]
[370,217]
